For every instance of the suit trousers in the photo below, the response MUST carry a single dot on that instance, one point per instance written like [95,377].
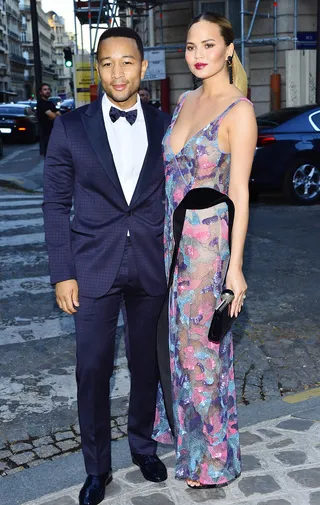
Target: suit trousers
[96,325]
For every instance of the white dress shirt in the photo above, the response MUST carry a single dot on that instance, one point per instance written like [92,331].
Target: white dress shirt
[128,144]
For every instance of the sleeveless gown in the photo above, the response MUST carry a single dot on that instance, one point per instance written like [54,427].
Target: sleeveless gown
[204,399]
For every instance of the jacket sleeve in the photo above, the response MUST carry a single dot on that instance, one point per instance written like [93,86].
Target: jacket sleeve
[58,187]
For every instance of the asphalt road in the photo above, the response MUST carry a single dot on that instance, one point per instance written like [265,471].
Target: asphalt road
[276,338]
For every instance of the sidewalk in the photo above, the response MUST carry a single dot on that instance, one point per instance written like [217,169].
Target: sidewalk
[280,454]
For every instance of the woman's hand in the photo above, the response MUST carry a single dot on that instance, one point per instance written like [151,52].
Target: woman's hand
[237,283]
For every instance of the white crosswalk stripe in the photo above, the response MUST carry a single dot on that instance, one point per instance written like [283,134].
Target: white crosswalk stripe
[15,205]
[19,203]
[13,254]
[16,240]
[28,329]
[20,197]
[21,212]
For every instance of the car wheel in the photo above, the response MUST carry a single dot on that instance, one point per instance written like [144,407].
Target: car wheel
[302,183]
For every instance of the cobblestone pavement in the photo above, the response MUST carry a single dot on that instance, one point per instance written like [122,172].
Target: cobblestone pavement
[280,461]
[276,338]
[31,451]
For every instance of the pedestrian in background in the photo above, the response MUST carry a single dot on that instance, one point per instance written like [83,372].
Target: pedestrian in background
[145,97]
[47,113]
[144,94]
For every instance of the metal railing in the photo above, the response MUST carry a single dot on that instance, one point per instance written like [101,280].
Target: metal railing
[13,35]
[16,58]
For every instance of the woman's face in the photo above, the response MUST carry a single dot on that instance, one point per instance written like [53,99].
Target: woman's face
[206,51]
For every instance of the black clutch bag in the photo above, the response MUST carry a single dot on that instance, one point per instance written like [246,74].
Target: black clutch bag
[221,321]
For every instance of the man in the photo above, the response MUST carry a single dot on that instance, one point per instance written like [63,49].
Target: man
[108,157]
[145,98]
[144,94]
[47,113]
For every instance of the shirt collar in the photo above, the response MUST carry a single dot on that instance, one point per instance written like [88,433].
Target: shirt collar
[107,104]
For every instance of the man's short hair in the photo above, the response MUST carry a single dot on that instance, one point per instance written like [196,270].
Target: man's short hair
[44,84]
[145,89]
[121,31]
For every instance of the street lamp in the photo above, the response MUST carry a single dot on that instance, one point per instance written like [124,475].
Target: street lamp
[36,47]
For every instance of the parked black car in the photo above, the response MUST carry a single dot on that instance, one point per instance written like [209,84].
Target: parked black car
[288,154]
[18,122]
[31,103]
[67,105]
[56,100]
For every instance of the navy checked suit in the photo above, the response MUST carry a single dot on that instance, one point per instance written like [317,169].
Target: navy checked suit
[94,249]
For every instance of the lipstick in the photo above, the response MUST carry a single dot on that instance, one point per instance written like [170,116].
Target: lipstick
[200,66]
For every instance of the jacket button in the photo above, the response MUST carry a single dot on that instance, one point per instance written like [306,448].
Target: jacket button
[130,213]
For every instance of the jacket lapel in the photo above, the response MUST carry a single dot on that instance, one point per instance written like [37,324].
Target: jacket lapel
[154,151]
[93,122]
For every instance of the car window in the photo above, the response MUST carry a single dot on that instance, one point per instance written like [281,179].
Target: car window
[278,117]
[28,111]
[315,120]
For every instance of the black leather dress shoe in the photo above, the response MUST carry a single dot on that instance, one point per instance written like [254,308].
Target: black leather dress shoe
[94,488]
[151,467]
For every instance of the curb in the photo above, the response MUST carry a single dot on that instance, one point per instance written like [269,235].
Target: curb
[25,182]
[27,185]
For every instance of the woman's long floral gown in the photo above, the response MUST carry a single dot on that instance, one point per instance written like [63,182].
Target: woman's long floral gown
[203,389]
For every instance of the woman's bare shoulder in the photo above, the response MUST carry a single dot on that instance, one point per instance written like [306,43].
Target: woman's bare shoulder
[242,105]
[242,118]
[187,94]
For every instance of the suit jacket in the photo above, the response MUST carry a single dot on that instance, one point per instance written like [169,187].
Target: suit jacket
[79,166]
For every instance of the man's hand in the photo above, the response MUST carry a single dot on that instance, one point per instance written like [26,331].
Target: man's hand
[67,295]
[52,115]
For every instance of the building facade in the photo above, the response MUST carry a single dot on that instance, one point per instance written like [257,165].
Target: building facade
[61,40]
[5,83]
[47,49]
[262,59]
[27,48]
[17,61]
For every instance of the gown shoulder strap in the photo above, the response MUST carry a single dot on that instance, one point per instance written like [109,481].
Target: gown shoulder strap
[240,99]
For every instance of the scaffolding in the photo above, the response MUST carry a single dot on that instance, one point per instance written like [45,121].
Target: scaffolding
[103,14]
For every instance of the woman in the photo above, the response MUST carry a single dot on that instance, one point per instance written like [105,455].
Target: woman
[210,143]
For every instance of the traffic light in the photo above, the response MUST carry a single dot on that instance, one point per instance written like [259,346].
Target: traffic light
[68,57]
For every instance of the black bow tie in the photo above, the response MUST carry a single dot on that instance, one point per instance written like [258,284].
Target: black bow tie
[130,116]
